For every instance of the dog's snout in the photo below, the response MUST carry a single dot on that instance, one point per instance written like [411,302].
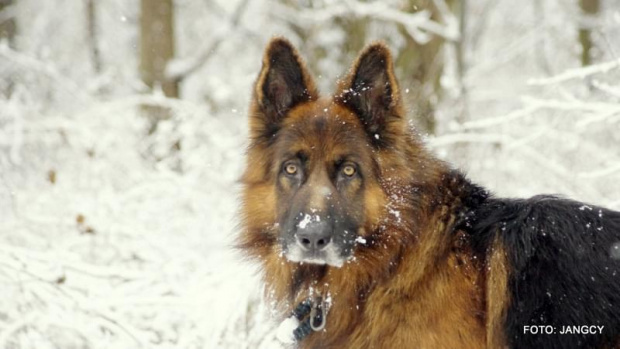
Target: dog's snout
[316,236]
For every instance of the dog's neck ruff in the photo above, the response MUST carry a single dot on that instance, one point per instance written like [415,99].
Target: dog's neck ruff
[310,315]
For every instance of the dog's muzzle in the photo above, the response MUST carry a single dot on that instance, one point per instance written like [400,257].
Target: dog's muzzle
[313,243]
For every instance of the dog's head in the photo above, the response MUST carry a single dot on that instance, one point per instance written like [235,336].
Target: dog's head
[314,181]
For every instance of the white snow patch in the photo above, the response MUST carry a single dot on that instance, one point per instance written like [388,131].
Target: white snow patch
[284,333]
[307,220]
[396,214]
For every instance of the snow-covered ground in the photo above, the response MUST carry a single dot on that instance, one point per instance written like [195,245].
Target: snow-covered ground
[118,250]
[112,237]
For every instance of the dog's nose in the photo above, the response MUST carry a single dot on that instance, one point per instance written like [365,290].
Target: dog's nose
[314,237]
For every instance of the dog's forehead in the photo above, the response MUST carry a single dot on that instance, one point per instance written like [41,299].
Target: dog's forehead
[320,125]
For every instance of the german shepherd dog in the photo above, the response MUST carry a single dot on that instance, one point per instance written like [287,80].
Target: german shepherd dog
[366,240]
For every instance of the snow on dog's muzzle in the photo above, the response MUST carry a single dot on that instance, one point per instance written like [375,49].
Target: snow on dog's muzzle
[313,241]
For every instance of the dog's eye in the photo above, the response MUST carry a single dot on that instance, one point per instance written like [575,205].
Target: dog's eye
[348,170]
[290,169]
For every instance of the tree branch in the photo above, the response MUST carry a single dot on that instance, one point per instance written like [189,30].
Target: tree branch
[418,25]
[179,69]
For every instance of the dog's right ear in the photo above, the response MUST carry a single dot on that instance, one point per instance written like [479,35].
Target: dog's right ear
[282,84]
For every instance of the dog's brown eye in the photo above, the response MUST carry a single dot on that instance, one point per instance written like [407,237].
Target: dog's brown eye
[290,169]
[348,170]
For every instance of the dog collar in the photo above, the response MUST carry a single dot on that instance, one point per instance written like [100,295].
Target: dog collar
[310,315]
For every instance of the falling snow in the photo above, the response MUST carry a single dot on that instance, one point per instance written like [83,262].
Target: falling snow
[118,234]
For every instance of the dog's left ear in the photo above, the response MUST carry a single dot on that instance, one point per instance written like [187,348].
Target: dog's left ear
[371,92]
[282,84]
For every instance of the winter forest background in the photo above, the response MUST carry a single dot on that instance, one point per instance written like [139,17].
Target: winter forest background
[123,127]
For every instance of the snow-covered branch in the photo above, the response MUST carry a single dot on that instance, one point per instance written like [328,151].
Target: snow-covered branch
[29,63]
[418,25]
[179,68]
[577,73]
[515,145]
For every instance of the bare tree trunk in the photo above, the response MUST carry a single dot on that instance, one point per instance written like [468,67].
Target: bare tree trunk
[542,42]
[589,9]
[357,34]
[91,24]
[459,8]
[8,28]
[8,31]
[422,66]
[157,44]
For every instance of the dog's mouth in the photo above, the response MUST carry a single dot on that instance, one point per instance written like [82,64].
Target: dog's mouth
[318,243]
[330,255]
